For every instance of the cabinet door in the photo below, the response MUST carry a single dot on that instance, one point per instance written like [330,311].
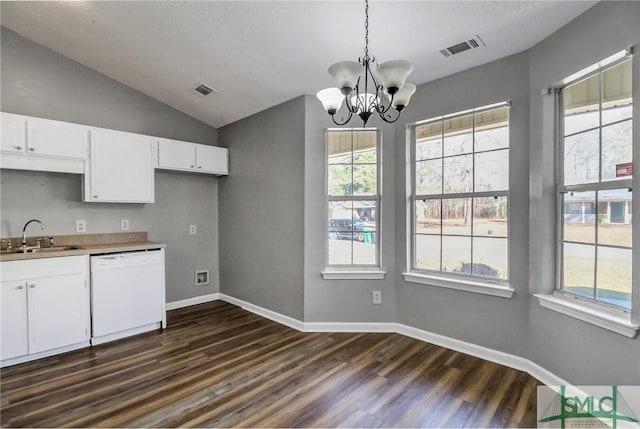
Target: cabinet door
[176,155]
[121,168]
[55,138]
[14,319]
[13,133]
[212,159]
[57,312]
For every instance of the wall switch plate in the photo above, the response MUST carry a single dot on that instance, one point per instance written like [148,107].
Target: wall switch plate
[377,297]
[192,230]
[124,224]
[81,226]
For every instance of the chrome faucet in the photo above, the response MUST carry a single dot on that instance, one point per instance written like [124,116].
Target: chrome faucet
[24,229]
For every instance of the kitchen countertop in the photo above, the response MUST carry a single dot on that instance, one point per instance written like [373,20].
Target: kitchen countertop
[91,244]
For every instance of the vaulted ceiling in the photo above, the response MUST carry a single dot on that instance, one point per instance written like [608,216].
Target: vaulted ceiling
[256,54]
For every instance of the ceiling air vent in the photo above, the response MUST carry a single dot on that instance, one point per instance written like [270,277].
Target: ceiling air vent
[203,89]
[472,43]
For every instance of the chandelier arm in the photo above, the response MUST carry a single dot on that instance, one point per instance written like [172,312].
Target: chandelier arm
[390,120]
[333,117]
[381,109]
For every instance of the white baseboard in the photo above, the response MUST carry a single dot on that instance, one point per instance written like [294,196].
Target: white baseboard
[496,356]
[264,312]
[349,327]
[193,301]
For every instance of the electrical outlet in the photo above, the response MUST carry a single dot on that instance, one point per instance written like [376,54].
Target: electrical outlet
[377,297]
[192,230]
[81,226]
[124,224]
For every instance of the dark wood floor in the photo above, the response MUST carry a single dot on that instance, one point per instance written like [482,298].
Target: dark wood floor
[218,365]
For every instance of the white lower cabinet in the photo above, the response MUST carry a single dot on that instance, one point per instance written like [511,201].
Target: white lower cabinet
[45,307]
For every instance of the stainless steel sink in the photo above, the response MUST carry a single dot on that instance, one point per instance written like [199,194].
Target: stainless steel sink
[32,249]
[52,249]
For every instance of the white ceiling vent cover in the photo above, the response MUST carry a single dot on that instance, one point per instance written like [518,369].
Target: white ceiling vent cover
[474,42]
[203,89]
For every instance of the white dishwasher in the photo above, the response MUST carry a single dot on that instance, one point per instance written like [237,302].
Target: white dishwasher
[127,294]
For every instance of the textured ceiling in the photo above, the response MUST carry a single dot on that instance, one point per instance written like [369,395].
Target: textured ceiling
[257,54]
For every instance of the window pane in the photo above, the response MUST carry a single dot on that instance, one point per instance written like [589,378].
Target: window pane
[492,170]
[364,147]
[614,217]
[365,180]
[340,180]
[456,254]
[617,150]
[579,217]
[617,92]
[582,105]
[490,258]
[581,158]
[458,135]
[495,138]
[429,141]
[492,131]
[490,217]
[339,147]
[456,216]
[427,215]
[429,177]
[579,269]
[427,252]
[614,276]
[457,174]
[352,230]
[615,114]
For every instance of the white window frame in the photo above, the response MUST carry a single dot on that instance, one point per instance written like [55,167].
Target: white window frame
[458,281]
[354,271]
[613,318]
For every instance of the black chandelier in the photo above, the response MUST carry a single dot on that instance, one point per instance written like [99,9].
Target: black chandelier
[354,79]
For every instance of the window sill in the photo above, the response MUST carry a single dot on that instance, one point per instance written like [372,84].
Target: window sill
[474,286]
[615,321]
[335,274]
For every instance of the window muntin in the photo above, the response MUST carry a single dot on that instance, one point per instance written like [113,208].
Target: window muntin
[459,196]
[595,197]
[353,198]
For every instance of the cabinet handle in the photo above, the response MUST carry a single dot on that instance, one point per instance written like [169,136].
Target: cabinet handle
[199,166]
[95,196]
[20,287]
[19,147]
[32,286]
[32,149]
[192,166]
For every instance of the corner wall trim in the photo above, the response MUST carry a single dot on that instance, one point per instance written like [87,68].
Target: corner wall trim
[192,301]
[496,356]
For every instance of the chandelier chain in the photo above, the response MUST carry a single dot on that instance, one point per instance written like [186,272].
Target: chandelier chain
[366,29]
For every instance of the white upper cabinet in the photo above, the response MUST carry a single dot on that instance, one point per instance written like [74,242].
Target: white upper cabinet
[13,133]
[55,138]
[212,159]
[185,156]
[120,169]
[43,145]
[176,155]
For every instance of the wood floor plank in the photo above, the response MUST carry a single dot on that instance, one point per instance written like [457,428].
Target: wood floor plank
[220,366]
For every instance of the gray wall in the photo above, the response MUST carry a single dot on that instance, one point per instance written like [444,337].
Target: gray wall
[344,300]
[579,352]
[39,82]
[486,320]
[261,210]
